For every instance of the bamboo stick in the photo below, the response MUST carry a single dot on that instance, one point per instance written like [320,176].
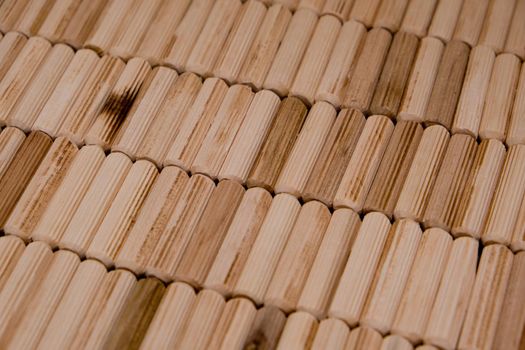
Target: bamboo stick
[421,82]
[315,59]
[470,21]
[394,76]
[235,249]
[114,229]
[266,328]
[505,205]
[516,130]
[396,342]
[418,16]
[278,144]
[10,46]
[20,171]
[500,97]
[329,262]
[220,136]
[151,220]
[335,77]
[362,167]
[232,56]
[161,34]
[47,179]
[91,98]
[195,126]
[364,11]
[20,74]
[11,248]
[64,203]
[95,204]
[37,93]
[415,306]
[32,17]
[479,189]
[444,19]
[421,177]
[444,202]
[265,45]
[82,22]
[448,84]
[168,252]
[146,107]
[213,36]
[350,295]
[331,334]
[10,141]
[32,322]
[487,298]
[363,338]
[57,19]
[291,51]
[250,137]
[306,149]
[365,72]
[393,169]
[299,331]
[514,44]
[496,24]
[390,14]
[187,33]
[267,248]
[451,303]
[392,276]
[119,103]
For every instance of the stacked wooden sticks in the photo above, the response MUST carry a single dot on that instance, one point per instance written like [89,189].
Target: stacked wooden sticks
[267,174]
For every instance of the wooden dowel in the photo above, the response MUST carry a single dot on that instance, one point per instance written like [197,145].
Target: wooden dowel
[420,84]
[315,59]
[451,303]
[350,295]
[290,4]
[393,169]
[224,127]
[329,262]
[470,21]
[335,77]
[82,22]
[516,130]
[363,164]
[39,191]
[32,17]
[500,97]
[365,71]
[10,46]
[265,45]
[95,204]
[10,11]
[266,328]
[514,43]
[421,177]
[232,56]
[418,16]
[299,331]
[152,220]
[10,141]
[391,276]
[331,334]
[57,19]
[518,234]
[487,298]
[233,253]
[390,14]
[41,88]
[267,248]
[291,51]
[364,11]
[11,248]
[496,24]
[306,149]
[314,5]
[64,203]
[444,99]
[396,342]
[196,124]
[414,309]
[479,189]
[444,19]
[363,338]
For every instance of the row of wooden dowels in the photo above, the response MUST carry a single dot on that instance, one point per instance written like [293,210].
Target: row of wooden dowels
[53,299]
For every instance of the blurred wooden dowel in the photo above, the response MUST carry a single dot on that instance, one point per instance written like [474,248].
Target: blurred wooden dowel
[266,329]
[470,21]
[496,24]
[299,331]
[331,334]
[10,141]
[444,19]
[11,248]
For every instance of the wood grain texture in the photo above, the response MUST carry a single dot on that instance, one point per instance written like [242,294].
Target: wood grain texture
[306,149]
[10,11]
[362,167]
[329,262]
[47,179]
[82,22]
[333,159]
[470,21]
[365,72]
[453,175]
[96,202]
[450,306]
[11,248]
[363,338]
[514,44]
[10,141]
[209,233]
[350,295]
[417,17]
[487,298]
[332,333]
[235,249]
[496,24]
[57,19]
[518,234]
[390,14]
[64,203]
[266,328]
[421,82]
[396,342]
[10,46]
[33,16]
[392,275]
[444,19]
[394,167]
[394,76]
[364,11]
[314,5]
[516,130]
[268,247]
[289,56]
[421,177]
[299,331]
[448,85]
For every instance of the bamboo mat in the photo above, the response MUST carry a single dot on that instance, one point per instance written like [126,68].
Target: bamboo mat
[290,174]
